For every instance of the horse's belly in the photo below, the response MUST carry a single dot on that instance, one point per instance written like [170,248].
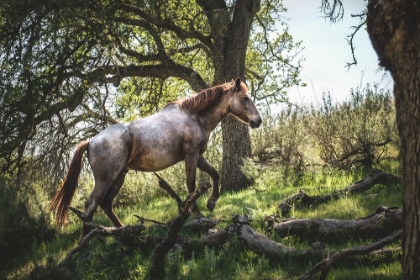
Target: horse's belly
[153,162]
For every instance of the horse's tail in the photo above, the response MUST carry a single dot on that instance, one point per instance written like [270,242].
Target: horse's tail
[65,194]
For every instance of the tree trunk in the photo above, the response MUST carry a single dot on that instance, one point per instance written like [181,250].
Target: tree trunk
[236,140]
[231,35]
[394,29]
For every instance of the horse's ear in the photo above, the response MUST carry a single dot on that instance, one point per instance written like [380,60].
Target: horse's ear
[238,83]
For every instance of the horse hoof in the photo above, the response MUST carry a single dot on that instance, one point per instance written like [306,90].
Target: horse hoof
[211,204]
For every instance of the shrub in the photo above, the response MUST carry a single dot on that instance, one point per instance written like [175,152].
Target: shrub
[358,132]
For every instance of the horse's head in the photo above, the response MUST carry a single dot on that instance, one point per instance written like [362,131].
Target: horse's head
[241,105]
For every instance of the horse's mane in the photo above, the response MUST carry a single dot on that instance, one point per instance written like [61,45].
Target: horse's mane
[204,99]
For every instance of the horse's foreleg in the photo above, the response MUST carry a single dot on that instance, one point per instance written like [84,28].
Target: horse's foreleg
[206,167]
[107,202]
[191,160]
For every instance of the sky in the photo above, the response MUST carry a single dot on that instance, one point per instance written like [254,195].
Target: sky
[327,51]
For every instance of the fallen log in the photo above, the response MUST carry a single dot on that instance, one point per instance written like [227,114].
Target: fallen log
[251,239]
[262,245]
[382,223]
[200,225]
[375,177]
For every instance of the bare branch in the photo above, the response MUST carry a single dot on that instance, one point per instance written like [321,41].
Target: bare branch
[351,37]
[334,11]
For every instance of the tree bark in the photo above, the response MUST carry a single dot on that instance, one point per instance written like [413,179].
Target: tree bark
[236,146]
[394,29]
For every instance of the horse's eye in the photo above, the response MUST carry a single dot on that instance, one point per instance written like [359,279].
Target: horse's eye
[246,98]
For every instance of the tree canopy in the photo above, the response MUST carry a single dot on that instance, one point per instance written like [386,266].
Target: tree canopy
[70,68]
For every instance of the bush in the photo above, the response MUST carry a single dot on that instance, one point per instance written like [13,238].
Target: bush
[360,132]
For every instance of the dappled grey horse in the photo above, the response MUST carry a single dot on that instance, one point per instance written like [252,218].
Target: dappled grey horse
[180,131]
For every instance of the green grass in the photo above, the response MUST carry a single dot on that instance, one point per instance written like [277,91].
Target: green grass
[107,259]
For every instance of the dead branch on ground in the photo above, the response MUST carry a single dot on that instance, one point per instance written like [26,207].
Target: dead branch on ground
[123,234]
[375,177]
[385,221]
[326,265]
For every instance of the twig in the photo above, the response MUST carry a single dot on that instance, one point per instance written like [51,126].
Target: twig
[164,185]
[141,219]
[351,43]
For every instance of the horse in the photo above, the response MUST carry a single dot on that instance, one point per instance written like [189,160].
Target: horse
[179,132]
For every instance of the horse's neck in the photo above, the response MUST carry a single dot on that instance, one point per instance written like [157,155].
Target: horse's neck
[213,116]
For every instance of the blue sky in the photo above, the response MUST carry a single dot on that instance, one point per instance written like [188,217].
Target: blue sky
[327,51]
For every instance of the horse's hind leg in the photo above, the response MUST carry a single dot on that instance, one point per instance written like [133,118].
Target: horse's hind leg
[96,197]
[190,168]
[206,167]
[106,203]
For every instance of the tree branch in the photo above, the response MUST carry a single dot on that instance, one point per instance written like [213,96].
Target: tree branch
[334,11]
[350,41]
[157,269]
[169,25]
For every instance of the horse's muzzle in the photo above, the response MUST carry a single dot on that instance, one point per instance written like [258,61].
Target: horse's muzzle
[255,123]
